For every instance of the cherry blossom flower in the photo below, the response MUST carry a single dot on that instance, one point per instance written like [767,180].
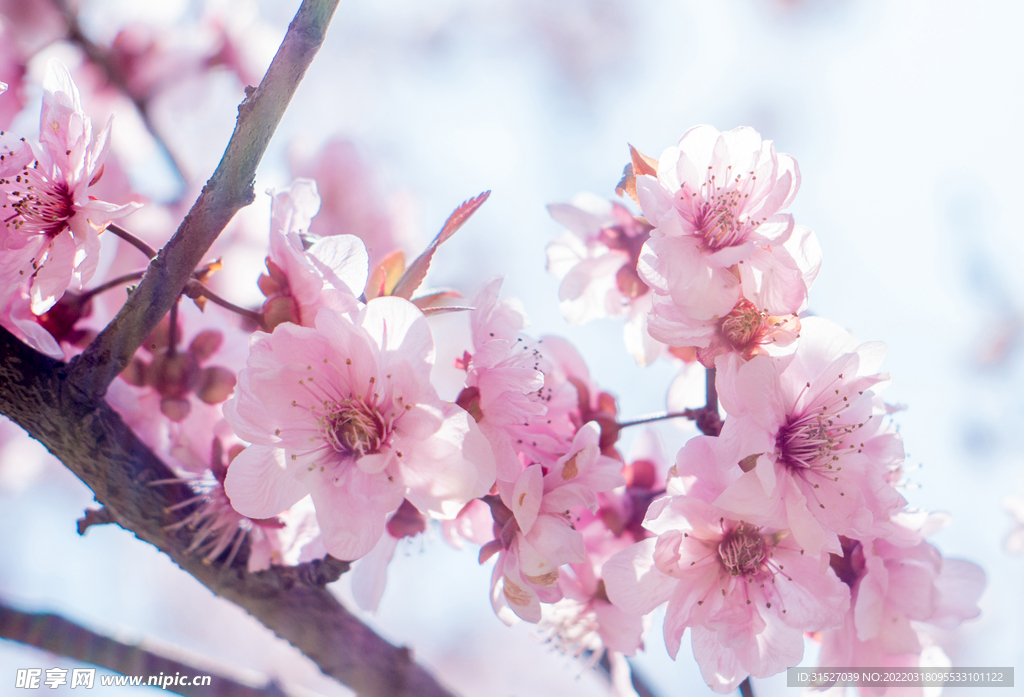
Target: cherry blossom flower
[596,261]
[508,391]
[805,446]
[718,227]
[746,330]
[51,232]
[900,586]
[305,274]
[746,592]
[345,412]
[537,534]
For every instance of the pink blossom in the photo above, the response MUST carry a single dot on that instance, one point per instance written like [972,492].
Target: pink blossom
[507,390]
[596,261]
[900,586]
[304,273]
[718,230]
[746,592]
[590,402]
[51,237]
[538,535]
[746,330]
[345,411]
[805,446]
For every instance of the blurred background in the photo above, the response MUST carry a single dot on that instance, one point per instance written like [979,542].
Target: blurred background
[904,119]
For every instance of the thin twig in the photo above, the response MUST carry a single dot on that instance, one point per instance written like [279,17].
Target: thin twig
[114,283]
[745,688]
[132,240]
[60,636]
[691,414]
[229,189]
[195,289]
[711,390]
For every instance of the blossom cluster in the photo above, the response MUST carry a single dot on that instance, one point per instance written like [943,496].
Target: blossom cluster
[314,425]
[786,518]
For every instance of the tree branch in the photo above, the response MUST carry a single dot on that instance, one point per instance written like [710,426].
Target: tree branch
[60,636]
[95,444]
[228,190]
[131,239]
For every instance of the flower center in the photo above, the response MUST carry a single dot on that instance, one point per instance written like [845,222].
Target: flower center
[742,551]
[355,428]
[720,220]
[745,325]
[42,206]
[812,441]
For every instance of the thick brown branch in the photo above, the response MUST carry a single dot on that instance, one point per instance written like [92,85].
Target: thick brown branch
[228,190]
[100,449]
[57,635]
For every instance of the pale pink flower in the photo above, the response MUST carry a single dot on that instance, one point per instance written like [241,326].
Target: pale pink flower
[900,587]
[805,446]
[596,262]
[507,391]
[345,412]
[305,274]
[746,330]
[538,535]
[719,232]
[52,225]
[746,592]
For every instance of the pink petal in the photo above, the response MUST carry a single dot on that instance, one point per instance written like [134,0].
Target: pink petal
[526,497]
[259,485]
[352,512]
[633,581]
